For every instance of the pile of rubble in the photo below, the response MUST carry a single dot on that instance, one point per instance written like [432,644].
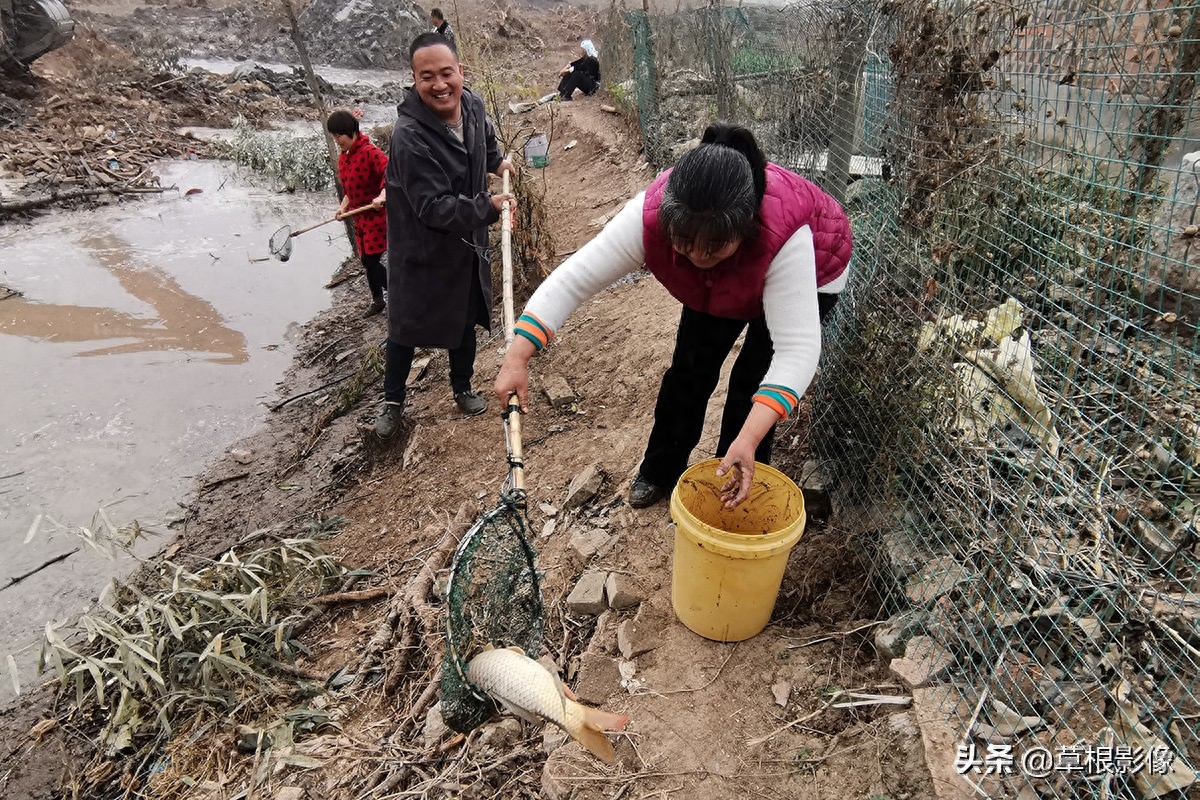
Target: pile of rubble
[344,33]
[361,33]
[109,137]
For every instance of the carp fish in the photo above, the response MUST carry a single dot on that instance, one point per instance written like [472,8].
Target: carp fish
[533,693]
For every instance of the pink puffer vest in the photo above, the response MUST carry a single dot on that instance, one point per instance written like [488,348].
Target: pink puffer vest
[733,289]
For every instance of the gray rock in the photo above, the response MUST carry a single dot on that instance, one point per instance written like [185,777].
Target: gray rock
[937,578]
[558,392]
[636,636]
[501,735]
[584,487]
[892,637]
[553,737]
[900,552]
[589,543]
[903,724]
[291,793]
[417,371]
[548,528]
[1008,723]
[435,726]
[622,592]
[924,662]
[588,595]
[548,662]
[782,692]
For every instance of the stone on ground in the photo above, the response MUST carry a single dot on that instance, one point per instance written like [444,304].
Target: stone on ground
[924,662]
[588,595]
[584,487]
[622,592]
[590,543]
[558,392]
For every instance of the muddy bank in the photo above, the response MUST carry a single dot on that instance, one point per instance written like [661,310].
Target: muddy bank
[149,336]
[256,494]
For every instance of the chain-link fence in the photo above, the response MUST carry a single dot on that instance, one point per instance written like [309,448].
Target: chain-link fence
[1008,397]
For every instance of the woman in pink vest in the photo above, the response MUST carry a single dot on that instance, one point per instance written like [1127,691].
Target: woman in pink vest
[739,242]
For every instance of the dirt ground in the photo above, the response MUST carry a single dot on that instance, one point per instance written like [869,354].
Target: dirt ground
[708,719]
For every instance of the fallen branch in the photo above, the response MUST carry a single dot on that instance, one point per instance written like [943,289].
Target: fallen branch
[296,397]
[408,639]
[342,276]
[36,570]
[318,612]
[294,671]
[710,682]
[405,604]
[835,635]
[78,194]
[828,704]
[861,699]
[360,596]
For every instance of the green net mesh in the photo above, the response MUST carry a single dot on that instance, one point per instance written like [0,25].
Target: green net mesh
[494,598]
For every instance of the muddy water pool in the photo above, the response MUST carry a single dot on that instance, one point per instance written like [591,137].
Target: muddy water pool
[145,342]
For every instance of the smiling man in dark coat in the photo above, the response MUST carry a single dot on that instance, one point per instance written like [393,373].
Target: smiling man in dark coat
[438,212]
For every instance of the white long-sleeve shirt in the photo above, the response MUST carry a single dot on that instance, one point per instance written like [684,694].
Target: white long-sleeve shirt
[789,299]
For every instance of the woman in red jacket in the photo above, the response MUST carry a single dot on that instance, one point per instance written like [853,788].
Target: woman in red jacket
[361,169]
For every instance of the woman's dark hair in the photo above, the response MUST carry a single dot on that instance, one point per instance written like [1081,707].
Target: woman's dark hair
[342,123]
[436,13]
[714,192]
[429,39]
[742,140]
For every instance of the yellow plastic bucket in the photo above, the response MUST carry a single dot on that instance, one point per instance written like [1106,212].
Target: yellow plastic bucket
[729,562]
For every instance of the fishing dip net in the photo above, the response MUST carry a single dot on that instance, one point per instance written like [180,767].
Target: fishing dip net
[281,243]
[494,598]
[494,595]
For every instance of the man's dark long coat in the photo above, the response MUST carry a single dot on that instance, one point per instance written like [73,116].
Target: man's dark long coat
[438,212]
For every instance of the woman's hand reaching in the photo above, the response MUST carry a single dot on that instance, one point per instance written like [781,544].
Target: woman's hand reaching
[738,463]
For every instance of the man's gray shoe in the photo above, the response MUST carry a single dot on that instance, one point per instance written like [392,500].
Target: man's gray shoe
[376,307]
[388,421]
[470,403]
[643,493]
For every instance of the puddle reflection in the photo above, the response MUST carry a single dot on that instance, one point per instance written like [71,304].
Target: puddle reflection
[183,321]
[194,329]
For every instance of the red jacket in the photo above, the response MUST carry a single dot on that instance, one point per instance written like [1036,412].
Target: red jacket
[361,171]
[733,289]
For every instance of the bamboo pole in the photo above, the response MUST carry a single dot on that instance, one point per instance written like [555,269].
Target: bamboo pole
[512,419]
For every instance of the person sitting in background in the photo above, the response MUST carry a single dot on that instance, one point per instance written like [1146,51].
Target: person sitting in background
[583,73]
[361,169]
[440,25]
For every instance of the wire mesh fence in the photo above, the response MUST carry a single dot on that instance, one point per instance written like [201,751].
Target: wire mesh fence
[1008,396]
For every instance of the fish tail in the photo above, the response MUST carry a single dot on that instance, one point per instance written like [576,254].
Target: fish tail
[590,733]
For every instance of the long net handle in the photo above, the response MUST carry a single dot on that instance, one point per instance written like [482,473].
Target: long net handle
[512,415]
[347,215]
